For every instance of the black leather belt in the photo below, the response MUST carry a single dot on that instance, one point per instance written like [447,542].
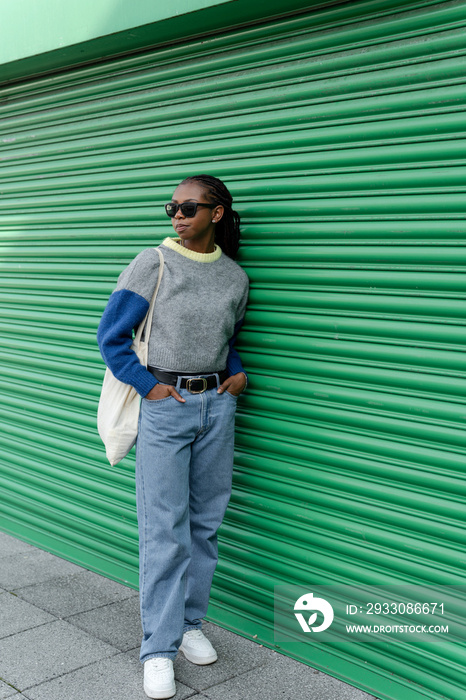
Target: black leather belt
[195,383]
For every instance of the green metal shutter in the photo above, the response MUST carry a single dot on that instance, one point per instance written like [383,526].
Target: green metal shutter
[341,135]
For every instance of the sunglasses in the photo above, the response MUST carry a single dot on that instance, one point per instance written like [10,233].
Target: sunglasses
[188,209]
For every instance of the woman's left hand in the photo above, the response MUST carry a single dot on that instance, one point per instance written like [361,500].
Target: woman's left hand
[234,384]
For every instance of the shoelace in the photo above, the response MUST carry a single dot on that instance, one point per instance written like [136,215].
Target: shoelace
[159,664]
[195,634]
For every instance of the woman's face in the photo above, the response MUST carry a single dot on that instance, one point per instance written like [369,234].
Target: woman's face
[201,226]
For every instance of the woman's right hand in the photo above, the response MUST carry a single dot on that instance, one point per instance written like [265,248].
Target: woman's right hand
[161,391]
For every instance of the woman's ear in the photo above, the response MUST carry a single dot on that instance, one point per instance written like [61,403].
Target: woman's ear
[217,213]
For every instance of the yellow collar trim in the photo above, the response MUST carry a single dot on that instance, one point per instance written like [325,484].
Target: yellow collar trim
[173,244]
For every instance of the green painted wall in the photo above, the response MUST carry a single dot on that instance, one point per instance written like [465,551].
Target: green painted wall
[40,36]
[64,24]
[341,136]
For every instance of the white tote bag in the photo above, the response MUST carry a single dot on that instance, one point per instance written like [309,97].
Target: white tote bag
[118,413]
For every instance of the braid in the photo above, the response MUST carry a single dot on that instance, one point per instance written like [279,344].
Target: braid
[227,231]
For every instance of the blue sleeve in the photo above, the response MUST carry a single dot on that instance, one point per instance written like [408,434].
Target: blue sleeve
[125,310]
[234,364]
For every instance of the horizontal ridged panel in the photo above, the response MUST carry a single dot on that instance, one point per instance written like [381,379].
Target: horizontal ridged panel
[342,135]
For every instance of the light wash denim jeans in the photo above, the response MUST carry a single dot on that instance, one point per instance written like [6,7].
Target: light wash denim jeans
[184,464]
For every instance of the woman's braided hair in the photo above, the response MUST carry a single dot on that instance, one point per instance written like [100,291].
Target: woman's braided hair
[227,231]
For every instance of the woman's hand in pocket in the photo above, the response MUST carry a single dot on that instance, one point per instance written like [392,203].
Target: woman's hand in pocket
[161,391]
[233,385]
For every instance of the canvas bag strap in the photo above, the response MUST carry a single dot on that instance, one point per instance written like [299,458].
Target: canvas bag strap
[147,322]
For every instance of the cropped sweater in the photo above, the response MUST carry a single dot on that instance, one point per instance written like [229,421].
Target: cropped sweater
[198,312]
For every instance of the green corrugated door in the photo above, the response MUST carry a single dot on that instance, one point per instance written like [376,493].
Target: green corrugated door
[341,134]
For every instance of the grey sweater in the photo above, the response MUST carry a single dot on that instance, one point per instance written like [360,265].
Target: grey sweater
[198,312]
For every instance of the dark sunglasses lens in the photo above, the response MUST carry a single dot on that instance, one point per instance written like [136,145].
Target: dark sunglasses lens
[188,209]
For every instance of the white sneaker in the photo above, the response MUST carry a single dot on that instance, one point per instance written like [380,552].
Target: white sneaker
[197,648]
[159,678]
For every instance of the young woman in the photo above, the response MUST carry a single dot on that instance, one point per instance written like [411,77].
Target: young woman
[184,450]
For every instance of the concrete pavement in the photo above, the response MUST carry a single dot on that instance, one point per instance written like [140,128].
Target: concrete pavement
[69,634]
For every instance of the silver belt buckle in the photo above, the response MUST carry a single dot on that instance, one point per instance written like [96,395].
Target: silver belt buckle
[196,379]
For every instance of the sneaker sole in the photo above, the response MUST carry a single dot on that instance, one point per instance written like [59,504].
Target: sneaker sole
[159,694]
[199,660]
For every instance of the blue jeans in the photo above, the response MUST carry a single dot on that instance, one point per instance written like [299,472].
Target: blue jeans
[184,465]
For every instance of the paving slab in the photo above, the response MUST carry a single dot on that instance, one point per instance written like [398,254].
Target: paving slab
[117,678]
[78,592]
[10,545]
[118,624]
[92,651]
[6,691]
[282,678]
[235,655]
[32,567]
[36,655]
[16,615]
